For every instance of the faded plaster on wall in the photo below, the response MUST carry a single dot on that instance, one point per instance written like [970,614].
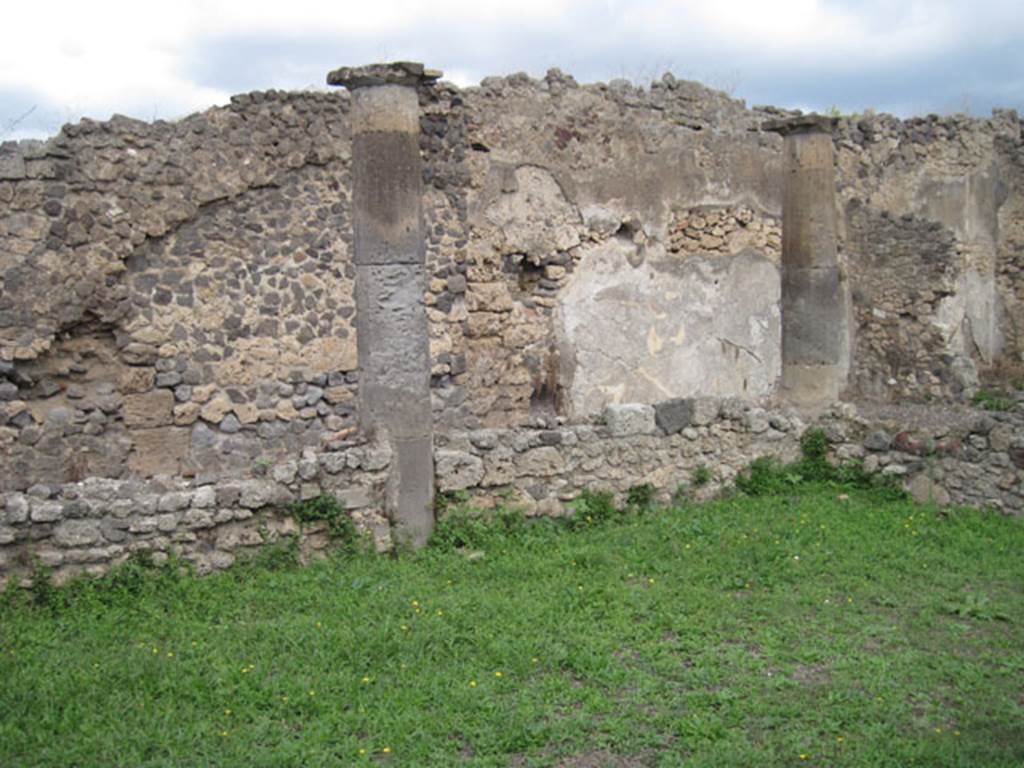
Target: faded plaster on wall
[643,326]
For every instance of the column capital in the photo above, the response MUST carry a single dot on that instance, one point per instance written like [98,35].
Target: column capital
[811,123]
[407,73]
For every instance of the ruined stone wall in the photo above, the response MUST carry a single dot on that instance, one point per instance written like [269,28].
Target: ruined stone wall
[177,298]
[1010,255]
[928,228]
[620,245]
[941,455]
[85,527]
[177,312]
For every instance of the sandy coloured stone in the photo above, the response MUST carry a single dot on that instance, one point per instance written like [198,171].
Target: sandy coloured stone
[186,413]
[135,380]
[149,409]
[216,409]
[203,393]
[286,410]
[158,451]
[337,395]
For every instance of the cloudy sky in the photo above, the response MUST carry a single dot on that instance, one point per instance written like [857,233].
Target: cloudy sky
[61,60]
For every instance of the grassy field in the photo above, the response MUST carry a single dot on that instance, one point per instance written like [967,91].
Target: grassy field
[820,626]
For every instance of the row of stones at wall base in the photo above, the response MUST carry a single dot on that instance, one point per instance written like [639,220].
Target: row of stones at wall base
[677,415]
[976,460]
[89,526]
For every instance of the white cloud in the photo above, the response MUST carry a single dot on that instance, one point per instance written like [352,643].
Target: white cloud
[96,57]
[798,30]
[101,56]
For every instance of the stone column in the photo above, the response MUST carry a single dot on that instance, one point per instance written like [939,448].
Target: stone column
[391,319]
[815,345]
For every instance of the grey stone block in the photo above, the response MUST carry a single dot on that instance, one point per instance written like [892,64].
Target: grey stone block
[756,420]
[204,497]
[77,533]
[674,415]
[629,419]
[16,509]
[354,498]
[879,440]
[44,511]
[457,470]
[174,501]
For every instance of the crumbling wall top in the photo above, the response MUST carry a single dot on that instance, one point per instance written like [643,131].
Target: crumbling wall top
[408,73]
[811,123]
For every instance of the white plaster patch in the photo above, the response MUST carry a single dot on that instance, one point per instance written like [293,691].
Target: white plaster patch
[667,328]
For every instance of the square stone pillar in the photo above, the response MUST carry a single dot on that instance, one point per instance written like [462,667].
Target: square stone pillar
[391,319]
[815,340]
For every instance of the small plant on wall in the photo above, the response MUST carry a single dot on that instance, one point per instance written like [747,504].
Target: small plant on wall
[340,527]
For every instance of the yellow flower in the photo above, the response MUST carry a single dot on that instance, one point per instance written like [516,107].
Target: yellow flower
[362,751]
[440,612]
[839,739]
[534,659]
[312,693]
[365,680]
[170,655]
[386,750]
[803,756]
[284,698]
[472,683]
[415,603]
[223,733]
[227,711]
[497,674]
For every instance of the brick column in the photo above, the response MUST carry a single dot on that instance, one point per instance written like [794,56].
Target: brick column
[814,324]
[391,319]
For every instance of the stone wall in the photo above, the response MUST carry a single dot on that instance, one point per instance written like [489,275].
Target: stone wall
[177,306]
[182,302]
[86,527]
[579,270]
[941,455]
[929,227]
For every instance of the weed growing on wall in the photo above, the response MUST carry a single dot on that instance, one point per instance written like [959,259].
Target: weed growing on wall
[462,526]
[989,400]
[592,508]
[640,498]
[136,578]
[340,527]
[701,476]
[767,475]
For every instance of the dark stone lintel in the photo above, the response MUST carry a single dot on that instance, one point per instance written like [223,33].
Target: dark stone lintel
[409,73]
[802,124]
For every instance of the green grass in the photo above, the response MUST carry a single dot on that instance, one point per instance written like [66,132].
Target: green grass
[859,631]
[991,400]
